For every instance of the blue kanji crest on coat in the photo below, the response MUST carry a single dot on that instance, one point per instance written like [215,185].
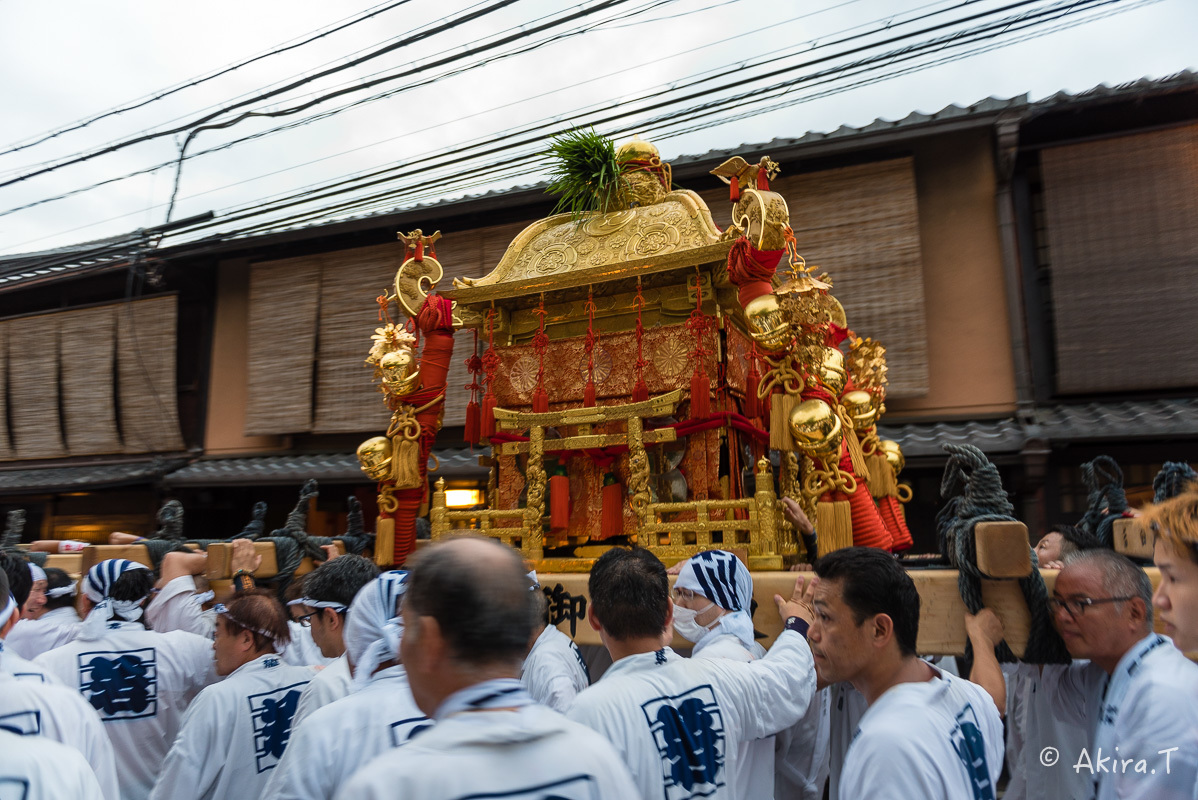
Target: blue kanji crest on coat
[271,713]
[22,723]
[407,729]
[120,684]
[971,749]
[689,732]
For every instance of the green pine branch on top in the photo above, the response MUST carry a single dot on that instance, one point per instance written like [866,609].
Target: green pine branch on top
[586,174]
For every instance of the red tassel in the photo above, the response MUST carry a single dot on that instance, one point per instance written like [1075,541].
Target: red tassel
[869,530]
[763,181]
[540,400]
[487,417]
[700,395]
[734,190]
[472,423]
[612,518]
[895,519]
[559,502]
[588,397]
[752,384]
[640,392]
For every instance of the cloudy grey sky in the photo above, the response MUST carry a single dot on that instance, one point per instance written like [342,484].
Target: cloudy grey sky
[69,60]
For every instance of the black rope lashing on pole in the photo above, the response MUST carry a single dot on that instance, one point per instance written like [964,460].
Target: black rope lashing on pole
[169,536]
[980,498]
[1107,500]
[1172,480]
[356,538]
[14,528]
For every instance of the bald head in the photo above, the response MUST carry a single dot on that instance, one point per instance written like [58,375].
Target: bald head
[477,591]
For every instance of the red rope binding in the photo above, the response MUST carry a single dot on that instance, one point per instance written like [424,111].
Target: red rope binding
[698,325]
[490,362]
[540,343]
[474,366]
[640,390]
[592,341]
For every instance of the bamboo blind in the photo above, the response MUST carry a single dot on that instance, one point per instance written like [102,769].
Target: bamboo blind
[860,224]
[469,254]
[146,342]
[351,281]
[283,308]
[6,451]
[87,347]
[33,387]
[1122,231]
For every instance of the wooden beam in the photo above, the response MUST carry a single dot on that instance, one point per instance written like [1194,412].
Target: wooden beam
[95,553]
[1003,550]
[70,563]
[220,553]
[1132,539]
[941,618]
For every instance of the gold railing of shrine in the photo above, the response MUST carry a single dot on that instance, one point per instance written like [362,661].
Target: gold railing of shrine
[760,522]
[760,511]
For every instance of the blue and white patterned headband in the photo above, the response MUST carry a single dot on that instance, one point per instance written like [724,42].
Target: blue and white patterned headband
[373,628]
[720,577]
[101,577]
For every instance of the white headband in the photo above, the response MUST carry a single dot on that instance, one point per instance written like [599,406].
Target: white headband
[310,603]
[7,612]
[37,572]
[71,589]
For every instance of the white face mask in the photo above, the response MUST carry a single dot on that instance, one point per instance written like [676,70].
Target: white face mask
[685,625]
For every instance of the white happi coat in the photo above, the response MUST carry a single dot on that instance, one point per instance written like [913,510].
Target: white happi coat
[37,768]
[341,737]
[174,609]
[234,733]
[13,664]
[940,739]
[29,638]
[1031,727]
[756,757]
[529,753]
[55,712]
[679,722]
[554,671]
[329,685]
[1148,705]
[141,683]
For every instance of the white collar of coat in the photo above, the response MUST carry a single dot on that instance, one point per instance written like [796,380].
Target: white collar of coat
[260,664]
[643,661]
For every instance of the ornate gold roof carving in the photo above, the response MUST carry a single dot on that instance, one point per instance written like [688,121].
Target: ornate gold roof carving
[554,252]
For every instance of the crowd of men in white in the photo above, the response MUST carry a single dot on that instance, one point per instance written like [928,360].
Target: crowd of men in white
[445,681]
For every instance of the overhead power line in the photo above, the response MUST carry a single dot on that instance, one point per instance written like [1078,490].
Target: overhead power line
[193,82]
[407,40]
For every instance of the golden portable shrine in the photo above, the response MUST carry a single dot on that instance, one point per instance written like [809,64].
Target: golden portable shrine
[640,375]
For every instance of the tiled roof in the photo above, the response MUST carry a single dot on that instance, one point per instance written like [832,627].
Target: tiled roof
[297,468]
[925,439]
[1140,419]
[97,476]
[50,264]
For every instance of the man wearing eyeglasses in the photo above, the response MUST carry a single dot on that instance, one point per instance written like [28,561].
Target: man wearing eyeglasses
[1137,695]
